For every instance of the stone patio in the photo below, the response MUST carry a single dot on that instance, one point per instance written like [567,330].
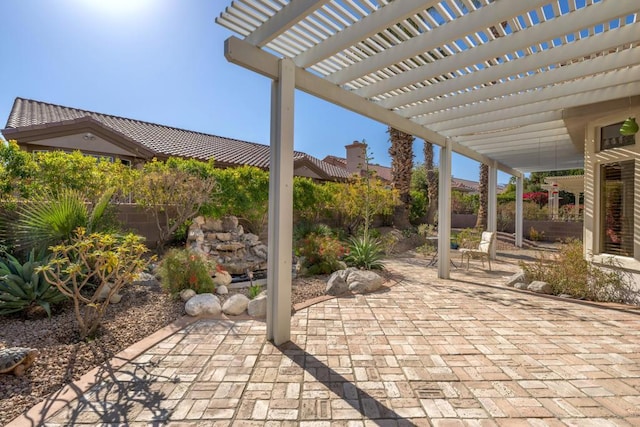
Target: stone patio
[422,352]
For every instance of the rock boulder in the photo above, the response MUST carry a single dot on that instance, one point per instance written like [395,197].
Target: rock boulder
[203,304]
[235,305]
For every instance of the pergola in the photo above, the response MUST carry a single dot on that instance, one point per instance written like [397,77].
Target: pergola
[573,184]
[507,83]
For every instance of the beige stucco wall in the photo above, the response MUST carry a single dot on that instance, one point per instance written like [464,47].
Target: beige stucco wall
[593,160]
[92,144]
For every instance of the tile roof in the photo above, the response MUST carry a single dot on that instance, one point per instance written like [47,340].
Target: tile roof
[384,172]
[161,140]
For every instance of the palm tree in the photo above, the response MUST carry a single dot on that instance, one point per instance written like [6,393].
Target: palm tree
[481,222]
[401,152]
[432,183]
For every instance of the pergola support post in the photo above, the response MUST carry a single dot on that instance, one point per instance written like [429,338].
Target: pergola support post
[519,211]
[444,211]
[492,211]
[280,205]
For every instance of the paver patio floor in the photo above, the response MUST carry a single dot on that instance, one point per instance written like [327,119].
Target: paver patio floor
[423,352]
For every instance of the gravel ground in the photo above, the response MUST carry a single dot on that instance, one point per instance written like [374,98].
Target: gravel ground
[143,310]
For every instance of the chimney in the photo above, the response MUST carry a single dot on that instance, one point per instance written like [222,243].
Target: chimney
[356,154]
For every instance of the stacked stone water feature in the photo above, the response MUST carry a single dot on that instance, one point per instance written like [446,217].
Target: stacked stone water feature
[225,241]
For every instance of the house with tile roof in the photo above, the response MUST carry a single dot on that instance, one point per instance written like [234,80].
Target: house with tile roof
[354,161]
[40,126]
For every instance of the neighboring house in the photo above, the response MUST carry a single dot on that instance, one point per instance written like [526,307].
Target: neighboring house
[354,163]
[40,126]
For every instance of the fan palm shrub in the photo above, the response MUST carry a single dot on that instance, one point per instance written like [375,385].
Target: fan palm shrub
[51,218]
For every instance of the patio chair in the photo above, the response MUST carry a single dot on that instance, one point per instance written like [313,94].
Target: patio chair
[483,251]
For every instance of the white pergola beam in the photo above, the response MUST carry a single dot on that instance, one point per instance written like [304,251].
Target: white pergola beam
[252,58]
[519,211]
[544,98]
[427,41]
[514,138]
[280,227]
[578,49]
[516,133]
[361,30]
[490,149]
[523,140]
[606,93]
[492,211]
[517,87]
[444,211]
[284,19]
[494,127]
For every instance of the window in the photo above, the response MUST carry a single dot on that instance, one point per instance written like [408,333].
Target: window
[616,209]
[610,137]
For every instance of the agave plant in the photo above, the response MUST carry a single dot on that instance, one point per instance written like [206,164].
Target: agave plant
[22,287]
[365,253]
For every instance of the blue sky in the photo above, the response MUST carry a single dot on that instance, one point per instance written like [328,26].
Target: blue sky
[162,61]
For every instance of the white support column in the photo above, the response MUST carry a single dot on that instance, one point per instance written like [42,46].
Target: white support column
[519,210]
[280,205]
[444,211]
[492,211]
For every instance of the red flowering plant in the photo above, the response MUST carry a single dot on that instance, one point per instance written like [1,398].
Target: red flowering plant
[184,269]
[322,254]
[541,198]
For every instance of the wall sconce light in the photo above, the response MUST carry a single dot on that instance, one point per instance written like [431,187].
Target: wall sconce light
[629,127]
[88,136]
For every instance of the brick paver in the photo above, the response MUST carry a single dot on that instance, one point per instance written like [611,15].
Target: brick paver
[423,352]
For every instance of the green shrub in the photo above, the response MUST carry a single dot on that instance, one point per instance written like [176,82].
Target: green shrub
[302,229]
[242,192]
[427,230]
[110,261]
[419,205]
[568,272]
[365,253]
[173,192]
[322,254]
[22,288]
[184,269]
[388,241]
[464,203]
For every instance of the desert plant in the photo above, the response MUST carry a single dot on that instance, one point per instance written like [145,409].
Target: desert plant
[365,253]
[105,259]
[185,269]
[536,235]
[568,272]
[357,202]
[302,229]
[389,241]
[322,254]
[427,230]
[51,218]
[172,194]
[22,288]
[254,291]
